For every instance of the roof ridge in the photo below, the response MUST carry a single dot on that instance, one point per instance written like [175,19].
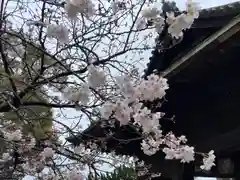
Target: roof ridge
[221,6]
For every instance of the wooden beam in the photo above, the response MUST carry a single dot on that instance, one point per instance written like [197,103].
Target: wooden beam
[229,33]
[225,31]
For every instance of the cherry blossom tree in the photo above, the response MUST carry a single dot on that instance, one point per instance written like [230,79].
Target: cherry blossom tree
[82,57]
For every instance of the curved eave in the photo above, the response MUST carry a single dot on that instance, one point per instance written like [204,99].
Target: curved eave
[219,37]
[230,9]
[210,20]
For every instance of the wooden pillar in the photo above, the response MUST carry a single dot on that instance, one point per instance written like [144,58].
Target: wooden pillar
[188,171]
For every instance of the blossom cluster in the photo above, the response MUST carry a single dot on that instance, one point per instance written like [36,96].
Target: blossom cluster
[59,32]
[154,15]
[95,78]
[176,24]
[208,161]
[182,21]
[131,107]
[73,7]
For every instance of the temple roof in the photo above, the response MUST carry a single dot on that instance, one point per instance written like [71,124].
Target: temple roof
[194,106]
[210,21]
[223,10]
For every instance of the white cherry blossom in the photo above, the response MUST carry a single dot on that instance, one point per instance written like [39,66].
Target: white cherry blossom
[193,8]
[186,154]
[140,23]
[71,10]
[183,153]
[85,7]
[75,175]
[107,110]
[82,150]
[170,153]
[96,78]
[47,152]
[13,136]
[84,94]
[80,94]
[59,32]
[6,157]
[170,17]
[181,22]
[122,113]
[208,161]
[151,12]
[152,88]
[126,87]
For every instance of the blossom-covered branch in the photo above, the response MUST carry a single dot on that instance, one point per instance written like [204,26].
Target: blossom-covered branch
[68,64]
